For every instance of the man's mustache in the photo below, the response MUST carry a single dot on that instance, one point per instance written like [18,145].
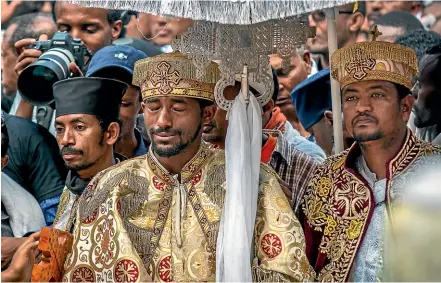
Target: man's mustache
[70,150]
[364,114]
[161,130]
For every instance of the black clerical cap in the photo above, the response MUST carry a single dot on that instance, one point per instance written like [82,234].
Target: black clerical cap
[95,96]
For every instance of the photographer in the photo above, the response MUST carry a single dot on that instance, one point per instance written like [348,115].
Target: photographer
[95,27]
[25,26]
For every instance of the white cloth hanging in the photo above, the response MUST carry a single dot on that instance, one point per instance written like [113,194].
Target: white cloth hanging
[234,252]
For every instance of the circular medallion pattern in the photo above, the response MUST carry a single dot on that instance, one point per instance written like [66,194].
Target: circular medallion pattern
[83,274]
[126,270]
[164,269]
[271,245]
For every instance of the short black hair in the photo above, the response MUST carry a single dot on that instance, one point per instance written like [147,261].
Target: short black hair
[104,124]
[26,28]
[400,19]
[126,17]
[420,41]
[204,103]
[112,16]
[5,139]
[432,61]
[106,121]
[402,91]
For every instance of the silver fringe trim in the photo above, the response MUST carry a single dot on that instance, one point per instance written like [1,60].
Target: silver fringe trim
[239,12]
[263,275]
[214,184]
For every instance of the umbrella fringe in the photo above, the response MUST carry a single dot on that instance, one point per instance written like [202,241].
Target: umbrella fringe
[225,12]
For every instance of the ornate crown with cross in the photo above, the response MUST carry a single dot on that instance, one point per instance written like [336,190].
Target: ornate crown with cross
[374,60]
[174,74]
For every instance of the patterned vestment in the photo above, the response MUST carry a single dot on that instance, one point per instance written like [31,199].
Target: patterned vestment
[137,223]
[339,204]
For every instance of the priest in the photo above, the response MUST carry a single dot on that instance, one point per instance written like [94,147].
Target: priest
[355,194]
[157,217]
[87,128]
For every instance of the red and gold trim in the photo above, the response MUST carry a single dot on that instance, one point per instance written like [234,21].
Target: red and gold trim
[338,206]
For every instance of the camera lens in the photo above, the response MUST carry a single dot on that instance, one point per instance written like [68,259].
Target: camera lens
[36,81]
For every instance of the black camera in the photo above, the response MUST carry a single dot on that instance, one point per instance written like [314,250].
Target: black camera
[36,80]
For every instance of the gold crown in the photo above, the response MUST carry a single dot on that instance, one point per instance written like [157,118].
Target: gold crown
[375,60]
[174,74]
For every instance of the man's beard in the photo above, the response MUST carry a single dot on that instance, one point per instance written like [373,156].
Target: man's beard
[78,167]
[177,148]
[214,135]
[422,118]
[378,134]
[369,137]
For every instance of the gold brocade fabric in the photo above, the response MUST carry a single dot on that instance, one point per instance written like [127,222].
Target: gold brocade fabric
[66,210]
[138,223]
[174,74]
[376,60]
[339,203]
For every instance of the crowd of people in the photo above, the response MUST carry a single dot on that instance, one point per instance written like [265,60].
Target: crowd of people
[129,158]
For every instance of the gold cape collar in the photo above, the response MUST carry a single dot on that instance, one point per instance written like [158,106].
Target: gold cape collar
[188,171]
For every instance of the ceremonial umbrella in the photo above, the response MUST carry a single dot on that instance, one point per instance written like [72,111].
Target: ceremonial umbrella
[239,35]
[222,27]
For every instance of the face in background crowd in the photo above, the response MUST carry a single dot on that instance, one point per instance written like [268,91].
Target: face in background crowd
[376,110]
[131,101]
[139,28]
[9,57]
[84,141]
[428,100]
[175,124]
[348,26]
[96,27]
[163,31]
[379,8]
[130,108]
[215,131]
[437,27]
[30,24]
[395,24]
[298,71]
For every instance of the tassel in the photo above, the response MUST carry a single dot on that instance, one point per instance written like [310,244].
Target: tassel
[214,184]
[141,239]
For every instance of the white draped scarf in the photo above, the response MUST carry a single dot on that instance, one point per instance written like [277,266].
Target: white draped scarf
[243,145]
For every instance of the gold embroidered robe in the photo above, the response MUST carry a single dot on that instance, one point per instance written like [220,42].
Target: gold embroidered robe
[339,203]
[134,225]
